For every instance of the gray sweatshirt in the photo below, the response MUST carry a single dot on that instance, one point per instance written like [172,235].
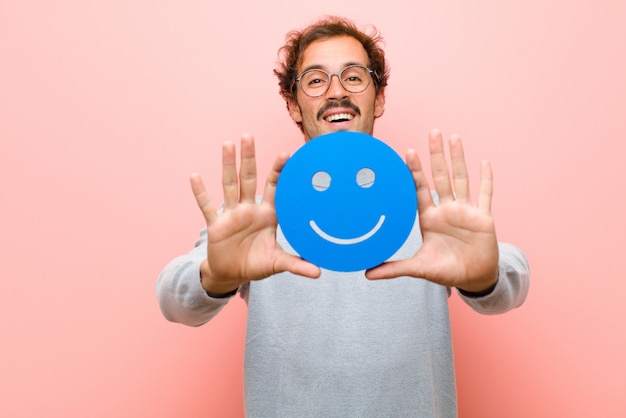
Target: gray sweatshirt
[342,346]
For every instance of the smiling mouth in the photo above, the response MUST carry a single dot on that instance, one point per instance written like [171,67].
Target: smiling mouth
[343,111]
[347,241]
[339,117]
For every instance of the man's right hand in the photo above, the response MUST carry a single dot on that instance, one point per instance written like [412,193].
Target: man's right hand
[241,242]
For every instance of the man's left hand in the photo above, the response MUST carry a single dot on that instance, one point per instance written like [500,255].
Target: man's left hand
[459,247]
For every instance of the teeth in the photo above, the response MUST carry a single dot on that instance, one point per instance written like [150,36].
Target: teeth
[339,116]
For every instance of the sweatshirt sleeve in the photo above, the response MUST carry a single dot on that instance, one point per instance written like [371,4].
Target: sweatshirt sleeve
[512,287]
[179,292]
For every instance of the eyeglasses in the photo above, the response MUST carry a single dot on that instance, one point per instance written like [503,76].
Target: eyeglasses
[354,78]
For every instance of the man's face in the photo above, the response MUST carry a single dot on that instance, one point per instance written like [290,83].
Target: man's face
[358,110]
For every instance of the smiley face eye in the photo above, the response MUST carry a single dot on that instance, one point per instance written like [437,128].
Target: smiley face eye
[321,181]
[365,177]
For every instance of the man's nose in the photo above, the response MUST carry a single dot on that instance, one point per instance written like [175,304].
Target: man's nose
[336,90]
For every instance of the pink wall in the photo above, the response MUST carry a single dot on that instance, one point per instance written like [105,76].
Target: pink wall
[106,107]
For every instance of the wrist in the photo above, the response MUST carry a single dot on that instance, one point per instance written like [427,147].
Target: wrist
[477,294]
[480,292]
[215,288]
[221,295]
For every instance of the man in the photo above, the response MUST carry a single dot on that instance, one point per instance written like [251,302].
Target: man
[344,344]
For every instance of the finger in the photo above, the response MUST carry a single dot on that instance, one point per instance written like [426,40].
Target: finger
[297,266]
[272,179]
[459,170]
[229,175]
[392,269]
[202,198]
[439,168]
[247,173]
[486,187]
[424,195]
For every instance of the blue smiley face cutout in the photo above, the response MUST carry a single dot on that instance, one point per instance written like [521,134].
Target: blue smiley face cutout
[346,201]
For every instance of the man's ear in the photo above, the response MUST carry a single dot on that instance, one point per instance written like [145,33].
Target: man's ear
[294,111]
[379,104]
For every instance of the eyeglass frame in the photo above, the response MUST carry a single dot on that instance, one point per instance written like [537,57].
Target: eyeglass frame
[338,74]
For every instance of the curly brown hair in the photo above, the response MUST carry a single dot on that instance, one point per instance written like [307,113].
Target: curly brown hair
[297,41]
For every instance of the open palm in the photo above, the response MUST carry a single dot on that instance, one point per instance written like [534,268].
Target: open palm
[459,247]
[241,242]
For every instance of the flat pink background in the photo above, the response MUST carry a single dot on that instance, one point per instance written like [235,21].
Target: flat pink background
[107,107]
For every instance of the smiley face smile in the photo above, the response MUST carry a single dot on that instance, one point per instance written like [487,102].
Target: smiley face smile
[347,241]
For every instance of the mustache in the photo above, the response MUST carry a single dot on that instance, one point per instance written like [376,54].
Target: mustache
[332,105]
